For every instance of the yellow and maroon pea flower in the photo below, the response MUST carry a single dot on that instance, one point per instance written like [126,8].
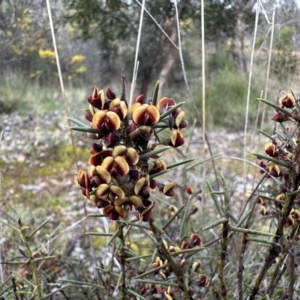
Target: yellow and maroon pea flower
[143,132]
[99,203]
[179,121]
[145,210]
[280,117]
[97,99]
[287,100]
[270,149]
[138,102]
[134,173]
[184,245]
[295,214]
[98,175]
[177,138]
[157,166]
[168,188]
[289,222]
[157,263]
[119,107]
[132,200]
[116,165]
[83,179]
[202,281]
[105,191]
[142,187]
[196,266]
[129,153]
[273,169]
[96,148]
[195,240]
[86,192]
[145,115]
[262,165]
[263,211]
[165,104]
[89,113]
[98,157]
[261,201]
[114,212]
[106,121]
[112,139]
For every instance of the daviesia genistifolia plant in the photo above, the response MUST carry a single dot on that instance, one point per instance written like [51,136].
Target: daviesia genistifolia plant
[123,168]
[282,163]
[124,161]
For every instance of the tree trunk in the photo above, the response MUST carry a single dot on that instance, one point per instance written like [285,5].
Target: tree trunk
[237,49]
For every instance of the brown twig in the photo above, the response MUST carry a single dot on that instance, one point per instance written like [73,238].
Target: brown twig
[276,248]
[224,243]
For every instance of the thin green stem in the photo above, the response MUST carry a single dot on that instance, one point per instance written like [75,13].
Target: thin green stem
[170,260]
[35,274]
[122,260]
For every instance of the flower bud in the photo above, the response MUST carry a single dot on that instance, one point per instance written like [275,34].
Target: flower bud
[110,94]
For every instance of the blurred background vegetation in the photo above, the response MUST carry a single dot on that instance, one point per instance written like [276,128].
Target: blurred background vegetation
[97,38]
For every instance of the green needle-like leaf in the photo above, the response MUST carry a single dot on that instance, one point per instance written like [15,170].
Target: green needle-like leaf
[154,152]
[169,111]
[251,231]
[159,174]
[215,199]
[86,129]
[274,160]
[180,163]
[172,218]
[288,136]
[156,89]
[98,233]
[203,161]
[135,294]
[266,134]
[286,112]
[38,228]
[77,122]
[215,223]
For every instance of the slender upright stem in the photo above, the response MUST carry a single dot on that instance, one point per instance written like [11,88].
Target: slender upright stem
[135,67]
[35,273]
[61,80]
[249,87]
[177,272]
[122,260]
[268,71]
[224,242]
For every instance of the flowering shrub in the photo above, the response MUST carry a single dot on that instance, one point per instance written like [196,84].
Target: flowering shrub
[124,161]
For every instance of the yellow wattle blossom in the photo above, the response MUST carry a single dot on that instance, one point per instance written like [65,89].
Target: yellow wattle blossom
[81,69]
[78,58]
[47,54]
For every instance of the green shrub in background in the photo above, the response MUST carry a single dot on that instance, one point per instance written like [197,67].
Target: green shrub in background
[284,63]
[226,94]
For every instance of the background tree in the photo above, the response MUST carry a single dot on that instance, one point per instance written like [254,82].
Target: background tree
[115,23]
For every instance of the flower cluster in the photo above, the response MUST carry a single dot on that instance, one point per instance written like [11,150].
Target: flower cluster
[124,160]
[283,161]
